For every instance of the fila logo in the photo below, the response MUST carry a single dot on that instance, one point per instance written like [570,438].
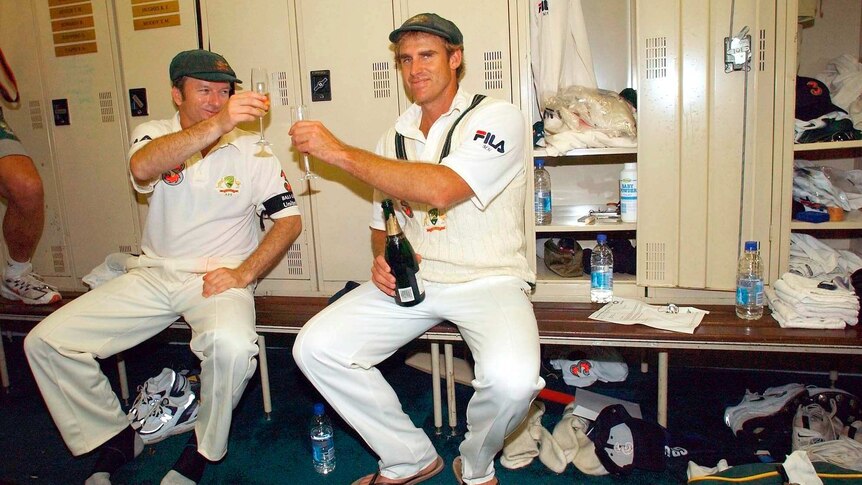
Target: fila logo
[488,140]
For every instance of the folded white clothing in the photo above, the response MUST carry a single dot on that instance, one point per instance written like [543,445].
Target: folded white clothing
[787,317]
[808,287]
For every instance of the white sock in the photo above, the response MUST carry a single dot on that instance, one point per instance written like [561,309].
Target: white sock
[175,478]
[99,478]
[14,268]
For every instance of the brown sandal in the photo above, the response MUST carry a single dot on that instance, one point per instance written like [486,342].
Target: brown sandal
[420,477]
[458,471]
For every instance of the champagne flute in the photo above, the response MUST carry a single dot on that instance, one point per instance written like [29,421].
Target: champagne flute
[299,112]
[260,85]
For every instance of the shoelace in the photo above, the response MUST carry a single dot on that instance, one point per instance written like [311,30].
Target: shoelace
[27,284]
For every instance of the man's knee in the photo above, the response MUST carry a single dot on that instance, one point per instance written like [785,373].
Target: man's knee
[21,182]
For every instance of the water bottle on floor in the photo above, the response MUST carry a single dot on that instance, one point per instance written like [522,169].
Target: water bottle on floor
[601,272]
[322,445]
[749,283]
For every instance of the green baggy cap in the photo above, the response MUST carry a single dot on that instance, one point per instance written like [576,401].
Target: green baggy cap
[202,64]
[430,23]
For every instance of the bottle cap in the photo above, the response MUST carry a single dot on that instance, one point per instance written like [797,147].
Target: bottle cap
[630,166]
[752,245]
[318,409]
[601,238]
[539,162]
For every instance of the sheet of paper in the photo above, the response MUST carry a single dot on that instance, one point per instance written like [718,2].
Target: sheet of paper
[629,312]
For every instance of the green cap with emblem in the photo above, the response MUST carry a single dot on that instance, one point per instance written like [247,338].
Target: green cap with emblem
[430,23]
[202,64]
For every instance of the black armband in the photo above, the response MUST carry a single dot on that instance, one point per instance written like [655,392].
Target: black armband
[275,204]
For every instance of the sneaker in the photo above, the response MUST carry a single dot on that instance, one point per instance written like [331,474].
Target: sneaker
[813,424]
[848,407]
[173,415]
[151,393]
[776,406]
[30,289]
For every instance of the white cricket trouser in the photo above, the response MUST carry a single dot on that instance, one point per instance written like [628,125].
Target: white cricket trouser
[122,313]
[340,347]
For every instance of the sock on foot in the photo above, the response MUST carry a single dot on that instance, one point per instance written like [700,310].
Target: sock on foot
[116,452]
[15,269]
[191,464]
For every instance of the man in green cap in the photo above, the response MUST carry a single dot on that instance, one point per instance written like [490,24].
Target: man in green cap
[454,164]
[202,254]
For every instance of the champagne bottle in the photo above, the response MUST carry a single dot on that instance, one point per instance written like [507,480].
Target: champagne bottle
[409,289]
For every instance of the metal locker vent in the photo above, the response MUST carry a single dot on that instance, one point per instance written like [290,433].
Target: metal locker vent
[59,256]
[280,78]
[126,248]
[761,50]
[655,262]
[294,260]
[106,106]
[380,80]
[36,115]
[656,57]
[494,70]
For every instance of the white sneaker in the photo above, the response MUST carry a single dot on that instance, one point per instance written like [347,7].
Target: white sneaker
[173,415]
[847,407]
[151,393]
[813,424]
[757,411]
[30,289]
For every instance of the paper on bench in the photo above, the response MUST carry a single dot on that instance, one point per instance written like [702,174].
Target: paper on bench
[630,312]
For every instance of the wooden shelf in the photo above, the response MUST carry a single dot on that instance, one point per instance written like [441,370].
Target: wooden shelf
[832,145]
[852,220]
[587,152]
[565,219]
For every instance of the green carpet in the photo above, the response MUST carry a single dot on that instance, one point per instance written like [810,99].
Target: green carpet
[277,451]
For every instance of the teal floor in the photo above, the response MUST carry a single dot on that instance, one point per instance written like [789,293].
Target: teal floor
[276,451]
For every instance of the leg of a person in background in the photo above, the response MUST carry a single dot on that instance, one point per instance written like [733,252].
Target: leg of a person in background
[21,186]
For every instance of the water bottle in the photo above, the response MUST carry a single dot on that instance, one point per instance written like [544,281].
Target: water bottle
[322,445]
[629,193]
[542,195]
[601,271]
[749,283]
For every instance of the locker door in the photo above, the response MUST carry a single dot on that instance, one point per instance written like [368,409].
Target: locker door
[148,39]
[29,119]
[262,34]
[354,47]
[77,56]
[486,26]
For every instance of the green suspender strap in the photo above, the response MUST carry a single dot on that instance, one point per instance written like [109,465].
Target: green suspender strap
[401,151]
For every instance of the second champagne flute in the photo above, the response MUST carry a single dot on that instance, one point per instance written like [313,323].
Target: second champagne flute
[299,113]
[260,85]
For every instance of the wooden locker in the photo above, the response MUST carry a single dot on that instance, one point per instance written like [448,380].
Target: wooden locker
[262,34]
[30,118]
[77,54]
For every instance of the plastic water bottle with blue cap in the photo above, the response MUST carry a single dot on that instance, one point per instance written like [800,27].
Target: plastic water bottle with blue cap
[749,283]
[322,444]
[601,271]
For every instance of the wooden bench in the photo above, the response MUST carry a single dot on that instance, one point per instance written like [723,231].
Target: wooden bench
[559,324]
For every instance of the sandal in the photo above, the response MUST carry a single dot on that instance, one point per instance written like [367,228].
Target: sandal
[458,471]
[420,477]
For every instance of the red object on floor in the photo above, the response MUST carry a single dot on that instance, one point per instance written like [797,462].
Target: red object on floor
[556,396]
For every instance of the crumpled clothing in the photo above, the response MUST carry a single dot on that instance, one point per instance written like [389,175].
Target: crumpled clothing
[812,258]
[843,77]
[583,117]
[828,186]
[115,264]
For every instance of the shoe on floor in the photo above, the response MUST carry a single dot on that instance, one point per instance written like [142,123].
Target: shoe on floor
[459,471]
[30,289]
[426,474]
[848,407]
[774,408]
[151,393]
[813,424]
[172,415]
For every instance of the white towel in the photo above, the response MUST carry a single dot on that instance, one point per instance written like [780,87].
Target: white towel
[787,317]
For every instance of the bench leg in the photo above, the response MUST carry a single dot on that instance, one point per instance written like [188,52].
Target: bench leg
[833,378]
[264,376]
[124,379]
[435,388]
[450,389]
[662,388]
[4,372]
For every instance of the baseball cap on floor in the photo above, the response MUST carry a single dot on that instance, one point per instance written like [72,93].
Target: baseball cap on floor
[813,99]
[202,64]
[430,23]
[624,443]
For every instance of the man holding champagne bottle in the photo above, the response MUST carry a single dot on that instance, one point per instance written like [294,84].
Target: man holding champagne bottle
[453,164]
[202,254]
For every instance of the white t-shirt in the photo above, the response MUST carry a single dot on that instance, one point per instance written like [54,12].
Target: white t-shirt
[482,236]
[210,207]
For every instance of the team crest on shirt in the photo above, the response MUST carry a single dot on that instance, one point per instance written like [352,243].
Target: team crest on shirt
[435,220]
[286,183]
[174,176]
[543,7]
[228,185]
[489,141]
[406,209]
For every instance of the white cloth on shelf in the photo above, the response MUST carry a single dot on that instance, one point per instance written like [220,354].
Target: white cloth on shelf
[843,77]
[812,258]
[787,317]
